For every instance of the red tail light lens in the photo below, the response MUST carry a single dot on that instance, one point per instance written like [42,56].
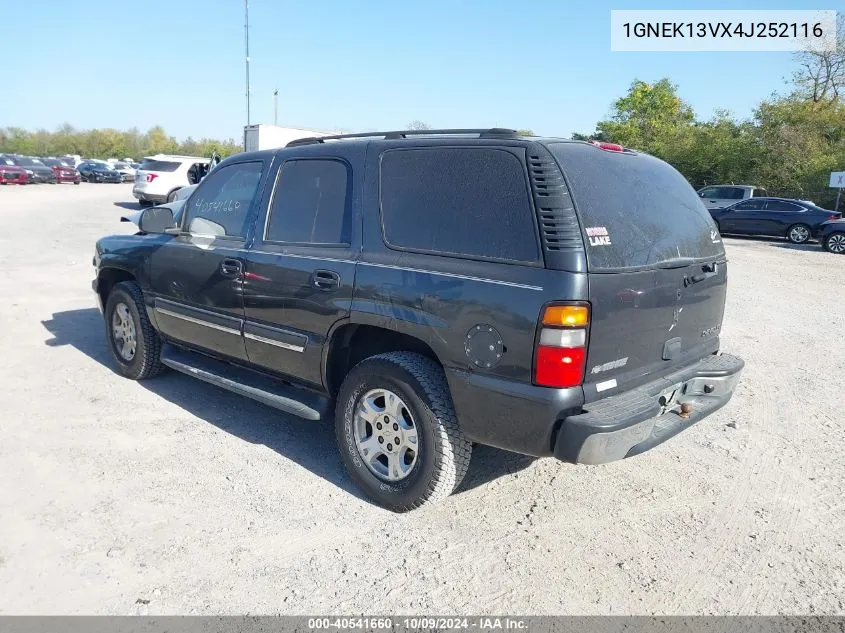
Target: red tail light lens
[560,366]
[833,217]
[151,177]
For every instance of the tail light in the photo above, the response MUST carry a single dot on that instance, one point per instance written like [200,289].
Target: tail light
[562,345]
[833,217]
[151,177]
[610,147]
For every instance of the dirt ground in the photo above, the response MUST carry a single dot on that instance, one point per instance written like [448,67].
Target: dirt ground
[171,496]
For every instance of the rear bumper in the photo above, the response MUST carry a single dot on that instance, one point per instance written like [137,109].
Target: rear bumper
[633,422]
[147,196]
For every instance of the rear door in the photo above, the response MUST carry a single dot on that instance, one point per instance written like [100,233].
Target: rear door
[779,216]
[300,270]
[656,264]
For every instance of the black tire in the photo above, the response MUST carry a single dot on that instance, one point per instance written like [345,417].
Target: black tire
[171,195]
[144,203]
[803,233]
[146,361]
[76,182]
[443,452]
[835,243]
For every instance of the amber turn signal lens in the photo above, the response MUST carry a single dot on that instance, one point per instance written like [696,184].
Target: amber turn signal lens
[571,316]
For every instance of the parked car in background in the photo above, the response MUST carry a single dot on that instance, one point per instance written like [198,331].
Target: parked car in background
[36,171]
[720,196]
[125,170]
[831,236]
[99,172]
[185,192]
[774,217]
[159,177]
[63,171]
[12,175]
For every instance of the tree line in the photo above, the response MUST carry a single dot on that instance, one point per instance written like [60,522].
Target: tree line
[108,143]
[789,145]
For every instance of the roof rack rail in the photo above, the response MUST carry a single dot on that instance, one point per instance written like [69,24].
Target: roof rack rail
[493,132]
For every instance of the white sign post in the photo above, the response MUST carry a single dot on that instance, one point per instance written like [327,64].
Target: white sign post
[837,181]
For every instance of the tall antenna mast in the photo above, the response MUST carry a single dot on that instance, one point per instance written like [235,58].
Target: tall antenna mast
[276,106]
[246,45]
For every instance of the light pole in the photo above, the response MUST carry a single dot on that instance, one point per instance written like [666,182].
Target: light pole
[276,106]
[246,45]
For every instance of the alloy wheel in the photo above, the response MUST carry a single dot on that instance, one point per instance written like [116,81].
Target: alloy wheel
[123,332]
[386,435]
[836,243]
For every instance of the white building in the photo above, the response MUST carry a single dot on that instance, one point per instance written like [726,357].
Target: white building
[264,136]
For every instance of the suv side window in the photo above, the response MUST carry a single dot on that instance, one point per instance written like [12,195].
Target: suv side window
[759,193]
[709,193]
[220,207]
[471,202]
[311,204]
[733,193]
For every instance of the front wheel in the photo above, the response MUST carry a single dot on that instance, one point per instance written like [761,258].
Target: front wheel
[397,431]
[798,233]
[835,243]
[134,343]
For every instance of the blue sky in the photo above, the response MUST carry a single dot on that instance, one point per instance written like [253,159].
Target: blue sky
[353,65]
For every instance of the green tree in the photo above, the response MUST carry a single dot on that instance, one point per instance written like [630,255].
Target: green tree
[648,117]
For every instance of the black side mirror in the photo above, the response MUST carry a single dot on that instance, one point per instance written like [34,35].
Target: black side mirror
[156,220]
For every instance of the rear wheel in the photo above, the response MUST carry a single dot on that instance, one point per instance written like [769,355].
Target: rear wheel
[171,195]
[397,431]
[134,343]
[798,233]
[835,243]
[144,203]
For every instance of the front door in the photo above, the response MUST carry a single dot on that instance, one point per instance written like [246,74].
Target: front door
[742,218]
[300,271]
[196,277]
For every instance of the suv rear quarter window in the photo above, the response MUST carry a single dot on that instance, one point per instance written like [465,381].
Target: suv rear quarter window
[462,201]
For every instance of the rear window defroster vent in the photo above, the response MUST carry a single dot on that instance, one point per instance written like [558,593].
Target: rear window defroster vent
[559,226]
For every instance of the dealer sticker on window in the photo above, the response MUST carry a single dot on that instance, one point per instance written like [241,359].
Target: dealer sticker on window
[598,236]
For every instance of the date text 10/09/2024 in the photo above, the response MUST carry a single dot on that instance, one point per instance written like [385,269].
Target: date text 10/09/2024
[416,623]
[784,30]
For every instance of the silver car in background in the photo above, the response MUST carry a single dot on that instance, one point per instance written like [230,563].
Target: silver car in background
[721,196]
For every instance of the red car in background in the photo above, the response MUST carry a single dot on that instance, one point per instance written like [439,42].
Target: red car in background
[12,175]
[64,172]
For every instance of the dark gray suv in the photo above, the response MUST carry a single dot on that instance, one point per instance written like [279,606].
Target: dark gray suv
[426,291]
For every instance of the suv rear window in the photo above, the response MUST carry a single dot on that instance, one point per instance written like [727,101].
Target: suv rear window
[635,210]
[471,202]
[149,164]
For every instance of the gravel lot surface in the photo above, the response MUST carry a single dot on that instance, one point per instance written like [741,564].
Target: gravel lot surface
[172,496]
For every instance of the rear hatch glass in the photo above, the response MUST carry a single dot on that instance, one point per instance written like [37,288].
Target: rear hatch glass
[657,274]
[150,164]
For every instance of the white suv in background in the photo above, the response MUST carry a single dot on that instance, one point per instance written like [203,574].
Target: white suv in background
[159,177]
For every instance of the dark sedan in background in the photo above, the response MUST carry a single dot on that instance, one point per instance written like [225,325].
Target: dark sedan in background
[832,236]
[36,171]
[774,217]
[98,172]
[64,172]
